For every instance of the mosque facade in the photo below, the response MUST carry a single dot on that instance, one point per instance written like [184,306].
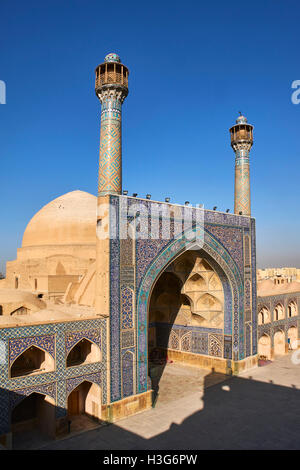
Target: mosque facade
[103,284]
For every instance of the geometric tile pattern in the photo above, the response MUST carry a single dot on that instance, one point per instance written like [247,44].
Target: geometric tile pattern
[227,347]
[75,381]
[127,310]
[127,374]
[110,171]
[215,345]
[185,342]
[127,339]
[45,336]
[247,250]
[73,338]
[247,294]
[253,284]
[143,260]
[189,338]
[115,314]
[248,339]
[18,395]
[200,343]
[174,340]
[232,239]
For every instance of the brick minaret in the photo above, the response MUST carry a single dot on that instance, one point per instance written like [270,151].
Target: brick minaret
[241,142]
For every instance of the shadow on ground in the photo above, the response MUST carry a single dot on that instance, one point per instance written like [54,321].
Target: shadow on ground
[237,414]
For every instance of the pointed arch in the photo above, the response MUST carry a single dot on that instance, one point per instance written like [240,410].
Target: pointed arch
[264,315]
[292,308]
[228,271]
[84,351]
[23,397]
[185,341]
[33,360]
[84,398]
[292,334]
[278,312]
[279,342]
[35,410]
[264,347]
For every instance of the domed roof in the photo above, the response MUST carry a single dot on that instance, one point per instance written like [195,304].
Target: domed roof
[241,119]
[68,220]
[112,57]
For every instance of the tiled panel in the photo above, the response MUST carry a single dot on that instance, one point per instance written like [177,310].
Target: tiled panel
[57,339]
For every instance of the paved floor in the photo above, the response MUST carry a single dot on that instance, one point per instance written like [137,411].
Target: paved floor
[258,410]
[176,381]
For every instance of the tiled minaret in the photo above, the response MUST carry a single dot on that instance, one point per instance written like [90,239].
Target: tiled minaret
[111,88]
[241,142]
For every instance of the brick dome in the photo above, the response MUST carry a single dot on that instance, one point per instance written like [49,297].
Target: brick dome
[68,220]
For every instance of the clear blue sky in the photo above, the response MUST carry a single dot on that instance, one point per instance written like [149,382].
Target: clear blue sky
[193,66]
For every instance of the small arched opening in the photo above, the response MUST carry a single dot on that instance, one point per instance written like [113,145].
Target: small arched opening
[264,347]
[188,294]
[279,343]
[278,312]
[84,404]
[293,337]
[36,412]
[84,352]
[264,316]
[32,361]
[292,309]
[20,311]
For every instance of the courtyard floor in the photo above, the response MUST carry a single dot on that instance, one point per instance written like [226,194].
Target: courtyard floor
[197,409]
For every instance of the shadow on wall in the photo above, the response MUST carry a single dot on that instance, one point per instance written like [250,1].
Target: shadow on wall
[243,414]
[30,421]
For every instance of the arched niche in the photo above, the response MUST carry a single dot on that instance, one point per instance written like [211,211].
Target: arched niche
[85,399]
[34,412]
[83,352]
[292,309]
[264,316]
[33,360]
[278,312]
[264,347]
[293,337]
[279,343]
